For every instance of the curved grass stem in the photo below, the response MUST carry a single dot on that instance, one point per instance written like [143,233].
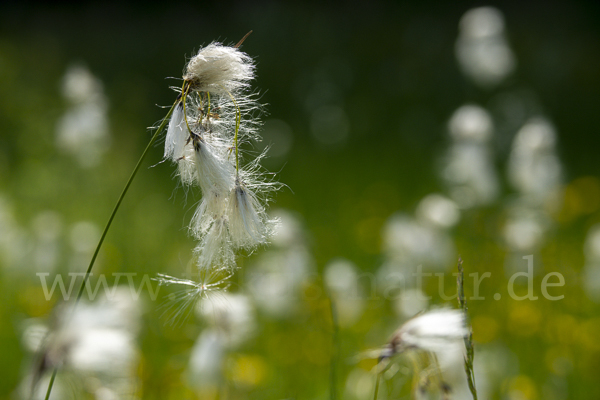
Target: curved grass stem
[335,349]
[108,224]
[377,379]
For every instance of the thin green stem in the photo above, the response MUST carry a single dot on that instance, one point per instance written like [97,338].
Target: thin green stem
[335,350]
[208,106]
[462,302]
[377,385]
[123,193]
[51,383]
[108,224]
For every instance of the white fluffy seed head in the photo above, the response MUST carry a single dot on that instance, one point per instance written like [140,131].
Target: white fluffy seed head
[206,136]
[212,206]
[218,69]
[186,165]
[215,171]
[215,250]
[247,218]
[177,135]
[432,331]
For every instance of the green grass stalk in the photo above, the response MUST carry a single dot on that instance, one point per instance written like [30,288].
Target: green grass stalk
[108,224]
[462,302]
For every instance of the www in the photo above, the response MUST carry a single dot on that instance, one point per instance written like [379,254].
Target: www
[100,283]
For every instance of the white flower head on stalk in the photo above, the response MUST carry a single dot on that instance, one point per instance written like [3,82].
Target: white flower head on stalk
[215,251]
[214,171]
[214,115]
[430,336]
[432,331]
[249,223]
[247,217]
[218,69]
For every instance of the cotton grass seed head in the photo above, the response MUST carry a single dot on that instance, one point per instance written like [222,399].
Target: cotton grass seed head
[177,135]
[432,331]
[215,251]
[217,69]
[214,119]
[214,171]
[248,222]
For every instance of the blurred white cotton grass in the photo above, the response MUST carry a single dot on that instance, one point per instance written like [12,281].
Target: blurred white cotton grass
[535,172]
[591,270]
[482,49]
[534,168]
[469,166]
[231,323]
[232,315]
[342,281]
[206,360]
[95,341]
[83,131]
[431,331]
[431,340]
[276,278]
[410,242]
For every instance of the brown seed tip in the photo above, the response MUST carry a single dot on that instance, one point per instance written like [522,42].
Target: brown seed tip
[242,41]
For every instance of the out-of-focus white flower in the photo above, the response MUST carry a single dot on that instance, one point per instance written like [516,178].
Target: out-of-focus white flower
[411,302]
[96,340]
[289,233]
[432,331]
[344,287]
[410,243]
[471,123]
[232,315]
[591,270]
[83,130]
[86,339]
[535,171]
[533,166]
[591,246]
[438,211]
[206,359]
[525,228]
[276,278]
[470,174]
[468,166]
[481,48]
[433,341]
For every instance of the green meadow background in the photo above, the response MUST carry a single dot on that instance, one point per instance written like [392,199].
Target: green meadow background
[391,68]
